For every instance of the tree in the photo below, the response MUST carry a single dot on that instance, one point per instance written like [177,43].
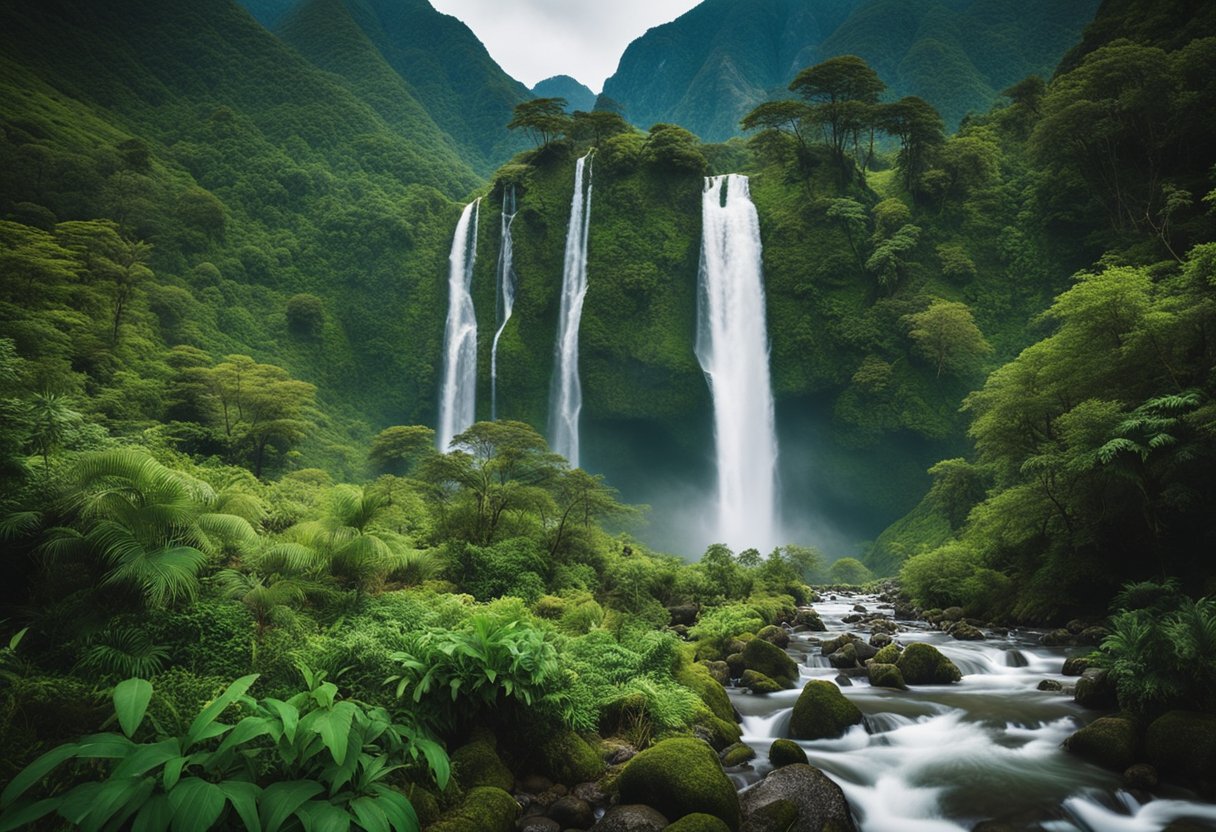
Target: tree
[890,257]
[351,538]
[50,421]
[842,92]
[109,255]
[850,571]
[672,147]
[919,128]
[792,117]
[946,334]
[597,126]
[851,216]
[401,448]
[544,119]
[581,499]
[306,314]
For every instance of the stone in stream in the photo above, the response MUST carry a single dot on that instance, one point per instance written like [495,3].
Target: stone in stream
[1109,742]
[737,754]
[880,640]
[886,676]
[771,660]
[698,822]
[678,777]
[843,680]
[889,654]
[924,664]
[537,823]
[758,683]
[785,753]
[1075,665]
[631,818]
[1141,776]
[1096,690]
[572,813]
[1051,686]
[822,712]
[816,801]
[966,632]
[775,635]
[1183,744]
[845,657]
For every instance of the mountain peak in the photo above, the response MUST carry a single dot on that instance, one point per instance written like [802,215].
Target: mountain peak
[578,95]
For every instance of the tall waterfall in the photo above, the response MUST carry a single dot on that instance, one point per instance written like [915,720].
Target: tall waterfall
[505,296]
[732,347]
[458,394]
[565,394]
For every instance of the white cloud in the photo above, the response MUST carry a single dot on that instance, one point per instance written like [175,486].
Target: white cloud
[535,39]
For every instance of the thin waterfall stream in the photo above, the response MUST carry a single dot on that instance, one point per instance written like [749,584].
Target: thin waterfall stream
[942,758]
[458,393]
[566,394]
[505,293]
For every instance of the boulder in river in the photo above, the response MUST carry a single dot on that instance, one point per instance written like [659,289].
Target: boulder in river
[1075,665]
[888,654]
[785,753]
[1095,689]
[758,683]
[1056,638]
[845,657]
[678,777]
[831,645]
[1141,776]
[966,632]
[572,812]
[775,635]
[819,803]
[770,660]
[737,754]
[1050,686]
[924,664]
[1109,742]
[880,640]
[822,712]
[698,822]
[1183,744]
[886,676]
[631,818]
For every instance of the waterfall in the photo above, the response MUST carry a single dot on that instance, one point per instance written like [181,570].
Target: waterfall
[566,395]
[458,394]
[504,299]
[732,347]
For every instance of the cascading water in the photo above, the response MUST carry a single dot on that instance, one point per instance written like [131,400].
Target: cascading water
[505,297]
[566,394]
[732,347]
[458,395]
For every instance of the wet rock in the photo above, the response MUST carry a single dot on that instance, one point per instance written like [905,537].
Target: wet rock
[924,664]
[590,792]
[1075,626]
[1141,776]
[572,812]
[853,618]
[680,776]
[822,712]
[785,753]
[1093,635]
[737,754]
[537,823]
[619,752]
[830,646]
[1015,658]
[1075,665]
[720,671]
[698,822]
[758,683]
[819,802]
[770,660]
[1056,638]
[631,818]
[843,680]
[533,784]
[883,625]
[864,651]
[809,618]
[1050,686]
[1182,744]
[904,612]
[966,632]
[952,614]
[886,676]
[858,608]
[880,640]
[1109,742]
[478,764]
[735,665]
[889,654]
[775,635]
[484,809]
[1096,690]
[845,657]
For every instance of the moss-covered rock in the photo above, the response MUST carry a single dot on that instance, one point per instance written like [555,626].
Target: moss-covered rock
[425,804]
[757,682]
[737,755]
[698,822]
[478,764]
[484,809]
[818,802]
[718,732]
[776,816]
[1096,690]
[785,753]
[844,658]
[1182,744]
[771,660]
[698,679]
[775,635]
[1109,742]
[568,758]
[888,654]
[924,664]
[680,776]
[885,676]
[822,712]
[1075,665]
[831,645]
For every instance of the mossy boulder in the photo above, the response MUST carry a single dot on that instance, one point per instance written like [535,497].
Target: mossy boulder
[771,660]
[785,753]
[716,731]
[831,645]
[699,679]
[484,809]
[924,664]
[757,682]
[822,712]
[1096,690]
[775,635]
[819,803]
[888,654]
[1075,665]
[568,758]
[478,764]
[678,777]
[777,816]
[698,822]
[1182,744]
[885,676]
[737,755]
[844,658]
[1109,742]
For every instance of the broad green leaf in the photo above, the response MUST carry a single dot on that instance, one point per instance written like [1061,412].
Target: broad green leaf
[131,703]
[398,809]
[244,799]
[173,772]
[209,714]
[322,816]
[117,800]
[76,805]
[437,759]
[369,814]
[247,729]
[197,805]
[280,801]
[334,728]
[147,757]
[104,746]
[35,771]
[154,816]
[288,713]
[19,818]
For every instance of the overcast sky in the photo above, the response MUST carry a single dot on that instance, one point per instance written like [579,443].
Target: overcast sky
[535,39]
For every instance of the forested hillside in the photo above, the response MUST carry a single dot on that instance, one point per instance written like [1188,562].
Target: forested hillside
[707,69]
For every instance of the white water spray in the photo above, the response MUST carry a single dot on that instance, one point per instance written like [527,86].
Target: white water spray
[458,395]
[732,347]
[566,394]
[505,298]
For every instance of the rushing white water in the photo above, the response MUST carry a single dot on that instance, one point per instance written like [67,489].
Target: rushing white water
[566,393]
[458,395]
[505,296]
[732,347]
[942,758]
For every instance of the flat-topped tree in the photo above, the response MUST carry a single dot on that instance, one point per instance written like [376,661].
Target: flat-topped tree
[544,119]
[843,94]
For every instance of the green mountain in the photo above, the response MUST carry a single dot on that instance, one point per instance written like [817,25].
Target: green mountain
[437,58]
[712,65]
[578,96]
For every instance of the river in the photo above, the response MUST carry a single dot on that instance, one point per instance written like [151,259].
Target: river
[944,758]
